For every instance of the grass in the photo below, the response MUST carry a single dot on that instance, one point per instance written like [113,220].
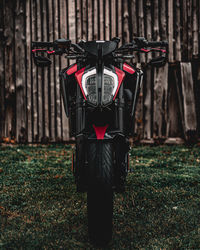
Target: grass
[40,209]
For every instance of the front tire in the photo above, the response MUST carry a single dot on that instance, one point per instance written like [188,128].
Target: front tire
[100,192]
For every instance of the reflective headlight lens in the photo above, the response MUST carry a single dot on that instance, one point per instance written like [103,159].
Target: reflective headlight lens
[91,87]
[108,89]
[89,84]
[110,84]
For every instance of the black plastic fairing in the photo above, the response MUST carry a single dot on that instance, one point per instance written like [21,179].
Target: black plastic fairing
[92,47]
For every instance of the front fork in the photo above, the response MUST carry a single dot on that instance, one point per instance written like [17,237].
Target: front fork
[120,152]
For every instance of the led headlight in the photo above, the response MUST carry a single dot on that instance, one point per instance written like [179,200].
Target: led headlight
[89,84]
[110,83]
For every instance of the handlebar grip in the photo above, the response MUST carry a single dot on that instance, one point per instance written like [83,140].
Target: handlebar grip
[157,44]
[43,44]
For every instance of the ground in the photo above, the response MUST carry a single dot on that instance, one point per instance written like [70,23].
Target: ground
[40,209]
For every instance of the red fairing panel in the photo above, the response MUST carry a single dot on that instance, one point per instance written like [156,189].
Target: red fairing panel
[78,76]
[128,68]
[120,75]
[100,131]
[72,69]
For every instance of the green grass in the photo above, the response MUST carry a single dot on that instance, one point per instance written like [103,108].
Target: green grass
[40,209]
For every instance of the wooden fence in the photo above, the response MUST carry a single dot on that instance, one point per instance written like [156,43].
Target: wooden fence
[31,108]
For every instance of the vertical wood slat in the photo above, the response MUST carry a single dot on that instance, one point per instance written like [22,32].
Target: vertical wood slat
[107,34]
[184,32]
[63,24]
[28,75]
[148,78]
[9,128]
[84,24]
[126,34]
[178,31]
[34,76]
[189,28]
[52,99]
[90,28]
[188,99]
[160,101]
[21,132]
[78,20]
[56,79]
[174,124]
[113,18]
[170,30]
[141,25]
[40,77]
[2,70]
[95,24]
[45,82]
[139,112]
[147,103]
[119,20]
[195,42]
[101,20]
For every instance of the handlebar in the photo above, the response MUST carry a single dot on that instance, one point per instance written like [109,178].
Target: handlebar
[157,44]
[75,51]
[42,44]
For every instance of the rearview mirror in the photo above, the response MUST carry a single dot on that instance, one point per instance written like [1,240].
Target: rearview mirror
[158,61]
[42,61]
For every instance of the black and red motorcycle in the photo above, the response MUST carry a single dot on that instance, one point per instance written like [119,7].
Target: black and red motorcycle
[100,93]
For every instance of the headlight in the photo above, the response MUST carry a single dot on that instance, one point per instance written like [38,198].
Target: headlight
[110,83]
[89,84]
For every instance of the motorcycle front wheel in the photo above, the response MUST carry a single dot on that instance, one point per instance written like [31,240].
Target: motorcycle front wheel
[100,192]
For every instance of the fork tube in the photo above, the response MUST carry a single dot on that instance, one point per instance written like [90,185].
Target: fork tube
[121,104]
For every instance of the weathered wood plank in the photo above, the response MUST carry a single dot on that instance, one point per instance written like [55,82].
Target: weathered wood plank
[147,103]
[39,97]
[51,73]
[78,20]
[107,35]
[184,32]
[63,25]
[28,72]
[178,32]
[45,81]
[2,70]
[113,19]
[56,79]
[188,100]
[101,20]
[195,28]
[163,20]
[119,20]
[196,79]
[10,111]
[126,29]
[21,130]
[148,26]
[189,28]
[170,30]
[84,24]
[160,101]
[95,24]
[90,24]
[174,121]
[141,26]
[138,127]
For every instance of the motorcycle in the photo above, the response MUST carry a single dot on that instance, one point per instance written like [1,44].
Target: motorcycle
[100,93]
